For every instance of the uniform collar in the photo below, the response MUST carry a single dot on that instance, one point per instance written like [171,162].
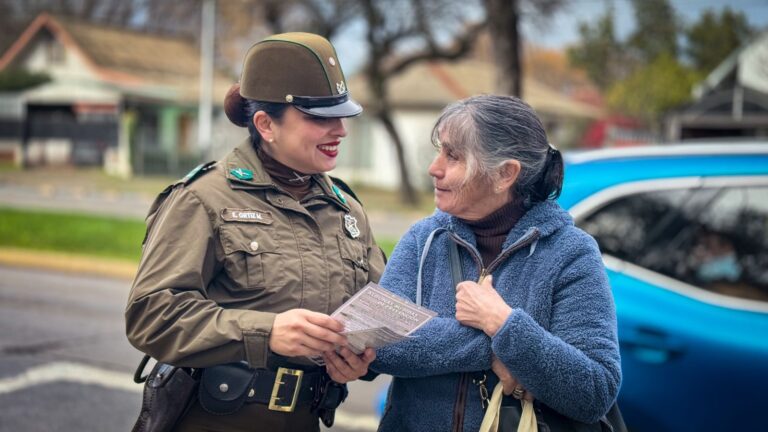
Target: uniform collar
[244,157]
[331,192]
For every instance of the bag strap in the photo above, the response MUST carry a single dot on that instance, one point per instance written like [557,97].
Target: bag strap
[138,376]
[457,272]
[459,404]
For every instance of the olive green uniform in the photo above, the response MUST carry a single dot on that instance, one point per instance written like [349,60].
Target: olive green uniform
[225,253]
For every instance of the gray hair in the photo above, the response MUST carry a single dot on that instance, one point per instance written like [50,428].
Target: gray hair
[488,130]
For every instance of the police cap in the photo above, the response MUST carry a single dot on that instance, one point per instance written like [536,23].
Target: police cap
[300,69]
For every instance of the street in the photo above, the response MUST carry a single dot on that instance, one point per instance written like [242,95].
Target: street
[65,364]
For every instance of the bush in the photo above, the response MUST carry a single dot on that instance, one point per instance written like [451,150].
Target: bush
[19,79]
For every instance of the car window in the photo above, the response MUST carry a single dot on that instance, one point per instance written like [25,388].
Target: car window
[713,238]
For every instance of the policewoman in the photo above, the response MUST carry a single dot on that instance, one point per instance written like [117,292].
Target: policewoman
[245,258]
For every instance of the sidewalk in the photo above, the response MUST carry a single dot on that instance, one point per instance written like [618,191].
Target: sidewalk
[68,263]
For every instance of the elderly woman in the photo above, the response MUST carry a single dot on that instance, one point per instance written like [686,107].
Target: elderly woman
[543,319]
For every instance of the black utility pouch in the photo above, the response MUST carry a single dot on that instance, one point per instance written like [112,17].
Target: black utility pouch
[168,394]
[224,388]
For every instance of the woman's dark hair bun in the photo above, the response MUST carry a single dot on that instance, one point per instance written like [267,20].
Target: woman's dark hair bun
[234,106]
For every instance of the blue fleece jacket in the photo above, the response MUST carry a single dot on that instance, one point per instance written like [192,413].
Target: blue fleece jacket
[559,341]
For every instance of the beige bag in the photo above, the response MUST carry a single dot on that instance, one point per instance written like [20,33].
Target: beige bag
[491,419]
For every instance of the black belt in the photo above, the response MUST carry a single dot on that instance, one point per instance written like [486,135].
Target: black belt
[225,388]
[285,388]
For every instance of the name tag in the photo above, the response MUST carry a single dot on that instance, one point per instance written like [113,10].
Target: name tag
[247,215]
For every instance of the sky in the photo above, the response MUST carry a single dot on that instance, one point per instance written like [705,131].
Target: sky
[561,29]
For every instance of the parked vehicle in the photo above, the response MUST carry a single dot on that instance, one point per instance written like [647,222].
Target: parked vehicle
[684,236]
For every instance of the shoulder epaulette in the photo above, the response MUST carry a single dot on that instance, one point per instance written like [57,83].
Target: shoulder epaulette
[345,187]
[197,172]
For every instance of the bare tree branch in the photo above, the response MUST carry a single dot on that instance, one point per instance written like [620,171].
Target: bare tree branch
[462,46]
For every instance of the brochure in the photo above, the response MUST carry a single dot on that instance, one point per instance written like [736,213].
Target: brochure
[375,317]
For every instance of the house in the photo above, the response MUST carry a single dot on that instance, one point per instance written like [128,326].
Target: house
[731,102]
[418,95]
[123,99]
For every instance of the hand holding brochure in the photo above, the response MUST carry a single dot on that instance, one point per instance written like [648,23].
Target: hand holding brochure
[375,317]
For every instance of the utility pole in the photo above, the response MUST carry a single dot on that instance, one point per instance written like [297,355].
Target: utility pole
[205,110]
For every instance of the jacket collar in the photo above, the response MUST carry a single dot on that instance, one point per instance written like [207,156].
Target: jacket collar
[244,156]
[547,217]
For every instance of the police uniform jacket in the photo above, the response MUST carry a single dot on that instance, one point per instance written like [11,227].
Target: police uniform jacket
[226,250]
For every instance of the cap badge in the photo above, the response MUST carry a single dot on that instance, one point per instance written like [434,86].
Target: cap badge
[341,87]
[350,225]
[331,61]
[289,98]
[242,173]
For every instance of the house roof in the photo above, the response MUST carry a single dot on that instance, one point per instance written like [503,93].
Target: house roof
[729,68]
[129,59]
[433,85]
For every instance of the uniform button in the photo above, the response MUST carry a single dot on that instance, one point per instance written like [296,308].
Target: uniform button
[223,387]
[254,246]
[251,393]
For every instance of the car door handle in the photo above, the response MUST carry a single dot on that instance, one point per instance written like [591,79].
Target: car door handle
[649,345]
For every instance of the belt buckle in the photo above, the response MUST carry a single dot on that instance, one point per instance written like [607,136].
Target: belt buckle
[282,373]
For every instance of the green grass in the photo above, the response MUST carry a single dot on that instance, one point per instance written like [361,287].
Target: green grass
[80,234]
[387,244]
[74,233]
[8,167]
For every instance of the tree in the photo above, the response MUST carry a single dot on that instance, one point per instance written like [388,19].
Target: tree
[656,30]
[654,89]
[392,27]
[713,37]
[504,17]
[599,52]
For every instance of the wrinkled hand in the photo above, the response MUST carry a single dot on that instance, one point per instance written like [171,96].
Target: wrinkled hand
[508,382]
[480,306]
[348,366]
[300,332]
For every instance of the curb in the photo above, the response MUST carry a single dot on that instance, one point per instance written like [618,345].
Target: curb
[69,263]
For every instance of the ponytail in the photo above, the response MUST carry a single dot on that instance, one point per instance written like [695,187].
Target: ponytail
[550,183]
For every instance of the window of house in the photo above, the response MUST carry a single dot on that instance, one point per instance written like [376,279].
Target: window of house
[713,238]
[54,50]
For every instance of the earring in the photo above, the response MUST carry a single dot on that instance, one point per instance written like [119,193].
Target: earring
[271,140]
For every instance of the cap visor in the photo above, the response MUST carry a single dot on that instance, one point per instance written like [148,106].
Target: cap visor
[349,108]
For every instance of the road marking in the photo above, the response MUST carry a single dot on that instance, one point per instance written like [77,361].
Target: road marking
[69,372]
[84,374]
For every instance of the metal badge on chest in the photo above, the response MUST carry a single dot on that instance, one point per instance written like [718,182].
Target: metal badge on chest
[350,225]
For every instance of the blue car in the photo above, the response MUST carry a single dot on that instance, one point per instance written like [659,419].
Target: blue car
[684,236]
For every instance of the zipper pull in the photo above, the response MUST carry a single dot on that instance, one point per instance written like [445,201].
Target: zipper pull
[482,276]
[480,383]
